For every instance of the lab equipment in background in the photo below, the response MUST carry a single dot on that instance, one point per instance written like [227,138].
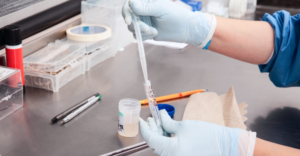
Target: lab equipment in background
[85,33]
[11,91]
[251,6]
[54,66]
[169,108]
[14,50]
[108,13]
[72,109]
[129,113]
[217,7]
[96,39]
[82,108]
[237,8]
[96,51]
[174,96]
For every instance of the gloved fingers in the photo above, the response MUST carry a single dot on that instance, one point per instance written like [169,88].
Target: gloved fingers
[145,29]
[144,38]
[152,124]
[155,141]
[143,8]
[145,130]
[126,12]
[169,125]
[146,19]
[131,28]
[147,37]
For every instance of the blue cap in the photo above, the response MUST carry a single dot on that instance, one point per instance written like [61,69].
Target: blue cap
[196,5]
[169,108]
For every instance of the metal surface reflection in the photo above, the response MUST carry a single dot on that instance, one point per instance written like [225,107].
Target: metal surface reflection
[281,125]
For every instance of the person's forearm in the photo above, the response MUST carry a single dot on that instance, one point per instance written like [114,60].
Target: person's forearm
[248,41]
[266,148]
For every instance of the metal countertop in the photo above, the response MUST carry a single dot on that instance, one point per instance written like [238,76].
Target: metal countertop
[273,112]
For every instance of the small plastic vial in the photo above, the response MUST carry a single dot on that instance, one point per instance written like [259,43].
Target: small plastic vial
[129,113]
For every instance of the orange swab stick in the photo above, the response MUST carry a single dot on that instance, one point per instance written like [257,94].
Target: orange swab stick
[174,96]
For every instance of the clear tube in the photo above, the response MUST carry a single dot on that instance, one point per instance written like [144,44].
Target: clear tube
[148,88]
[152,102]
[135,21]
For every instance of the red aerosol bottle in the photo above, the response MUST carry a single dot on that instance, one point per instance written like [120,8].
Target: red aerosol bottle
[14,51]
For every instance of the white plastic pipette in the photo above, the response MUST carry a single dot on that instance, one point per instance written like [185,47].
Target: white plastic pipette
[135,21]
[147,84]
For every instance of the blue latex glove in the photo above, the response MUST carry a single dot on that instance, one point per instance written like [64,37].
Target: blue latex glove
[196,138]
[164,20]
[284,66]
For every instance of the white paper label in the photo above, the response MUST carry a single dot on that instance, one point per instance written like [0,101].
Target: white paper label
[4,72]
[121,125]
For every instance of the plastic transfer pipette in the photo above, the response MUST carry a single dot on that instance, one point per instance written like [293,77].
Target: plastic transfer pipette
[147,84]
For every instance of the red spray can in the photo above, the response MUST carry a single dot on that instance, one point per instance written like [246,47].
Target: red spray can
[14,51]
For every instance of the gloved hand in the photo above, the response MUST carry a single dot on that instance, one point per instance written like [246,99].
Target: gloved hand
[164,20]
[194,138]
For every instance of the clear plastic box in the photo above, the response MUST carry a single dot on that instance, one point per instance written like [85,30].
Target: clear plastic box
[251,6]
[96,52]
[54,66]
[99,55]
[217,7]
[108,13]
[11,91]
[55,82]
[53,57]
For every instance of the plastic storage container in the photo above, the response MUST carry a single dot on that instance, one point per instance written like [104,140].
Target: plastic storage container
[96,52]
[108,13]
[99,55]
[129,113]
[11,91]
[237,8]
[217,7]
[251,6]
[54,66]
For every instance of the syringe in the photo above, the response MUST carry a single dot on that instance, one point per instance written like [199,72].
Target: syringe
[147,84]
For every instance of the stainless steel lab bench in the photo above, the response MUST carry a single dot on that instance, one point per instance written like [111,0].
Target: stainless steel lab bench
[274,113]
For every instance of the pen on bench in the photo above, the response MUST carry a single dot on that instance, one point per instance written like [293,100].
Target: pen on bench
[81,109]
[70,110]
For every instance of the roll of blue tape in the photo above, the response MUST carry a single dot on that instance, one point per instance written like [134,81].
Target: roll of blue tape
[169,108]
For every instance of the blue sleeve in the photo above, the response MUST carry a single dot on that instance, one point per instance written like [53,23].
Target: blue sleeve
[284,66]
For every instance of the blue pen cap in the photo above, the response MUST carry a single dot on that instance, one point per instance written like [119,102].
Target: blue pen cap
[169,108]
